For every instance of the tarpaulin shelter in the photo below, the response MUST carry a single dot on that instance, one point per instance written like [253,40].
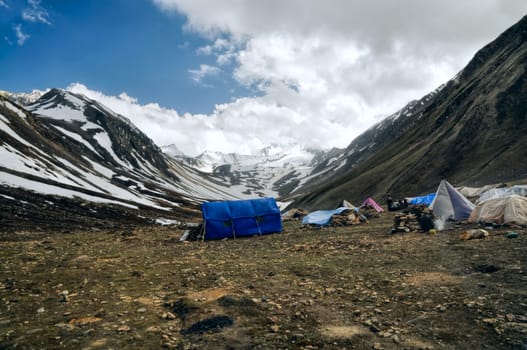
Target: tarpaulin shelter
[347,204]
[322,217]
[427,199]
[242,218]
[450,205]
[503,192]
[508,210]
[372,203]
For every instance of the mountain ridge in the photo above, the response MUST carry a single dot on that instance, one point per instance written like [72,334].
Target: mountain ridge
[467,131]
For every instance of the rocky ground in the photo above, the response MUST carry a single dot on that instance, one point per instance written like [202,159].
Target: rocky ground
[356,287]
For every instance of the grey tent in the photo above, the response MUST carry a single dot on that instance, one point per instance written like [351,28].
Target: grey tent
[449,205]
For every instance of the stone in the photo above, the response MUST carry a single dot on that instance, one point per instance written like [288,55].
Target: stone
[124,328]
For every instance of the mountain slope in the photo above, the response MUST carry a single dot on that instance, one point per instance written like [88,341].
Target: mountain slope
[68,154]
[273,171]
[469,131]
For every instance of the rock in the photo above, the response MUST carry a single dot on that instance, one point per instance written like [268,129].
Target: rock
[41,310]
[396,339]
[65,326]
[33,331]
[489,321]
[473,234]
[153,329]
[141,310]
[275,328]
[374,328]
[63,296]
[124,328]
[168,316]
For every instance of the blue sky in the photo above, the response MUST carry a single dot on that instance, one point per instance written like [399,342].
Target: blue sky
[109,45]
[236,76]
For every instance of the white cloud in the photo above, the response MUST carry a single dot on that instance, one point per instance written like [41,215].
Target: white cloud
[36,13]
[191,133]
[198,75]
[327,70]
[20,35]
[3,4]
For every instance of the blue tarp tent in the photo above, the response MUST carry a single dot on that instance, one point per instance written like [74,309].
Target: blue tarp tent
[427,199]
[231,219]
[322,217]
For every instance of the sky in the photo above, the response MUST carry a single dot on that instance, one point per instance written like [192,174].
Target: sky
[238,75]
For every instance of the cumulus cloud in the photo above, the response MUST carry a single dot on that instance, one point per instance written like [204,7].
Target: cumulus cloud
[242,126]
[198,75]
[191,133]
[327,70]
[21,37]
[35,13]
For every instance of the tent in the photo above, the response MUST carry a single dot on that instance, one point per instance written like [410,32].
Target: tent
[347,204]
[426,199]
[322,217]
[449,205]
[512,209]
[231,219]
[372,203]
[503,192]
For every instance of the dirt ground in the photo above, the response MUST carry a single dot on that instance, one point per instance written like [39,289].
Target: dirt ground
[356,287]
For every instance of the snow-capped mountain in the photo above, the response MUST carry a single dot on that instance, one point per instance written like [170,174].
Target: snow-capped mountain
[65,148]
[23,98]
[273,171]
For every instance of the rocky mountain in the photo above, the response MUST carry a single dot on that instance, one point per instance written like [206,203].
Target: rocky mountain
[273,171]
[469,131]
[66,157]
[24,98]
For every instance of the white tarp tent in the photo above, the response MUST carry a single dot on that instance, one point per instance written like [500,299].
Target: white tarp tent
[503,192]
[449,205]
[508,210]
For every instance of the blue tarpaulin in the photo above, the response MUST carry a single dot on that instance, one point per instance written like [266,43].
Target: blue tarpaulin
[322,217]
[427,199]
[230,219]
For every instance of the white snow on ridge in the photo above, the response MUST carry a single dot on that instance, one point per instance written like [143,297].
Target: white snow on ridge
[13,108]
[15,181]
[76,137]
[100,184]
[7,129]
[8,197]
[104,140]
[60,112]
[75,101]
[107,173]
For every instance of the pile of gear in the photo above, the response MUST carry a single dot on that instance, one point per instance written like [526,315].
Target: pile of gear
[414,218]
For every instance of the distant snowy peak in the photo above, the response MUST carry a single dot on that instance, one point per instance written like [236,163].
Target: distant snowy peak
[173,151]
[23,98]
[272,171]
[269,157]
